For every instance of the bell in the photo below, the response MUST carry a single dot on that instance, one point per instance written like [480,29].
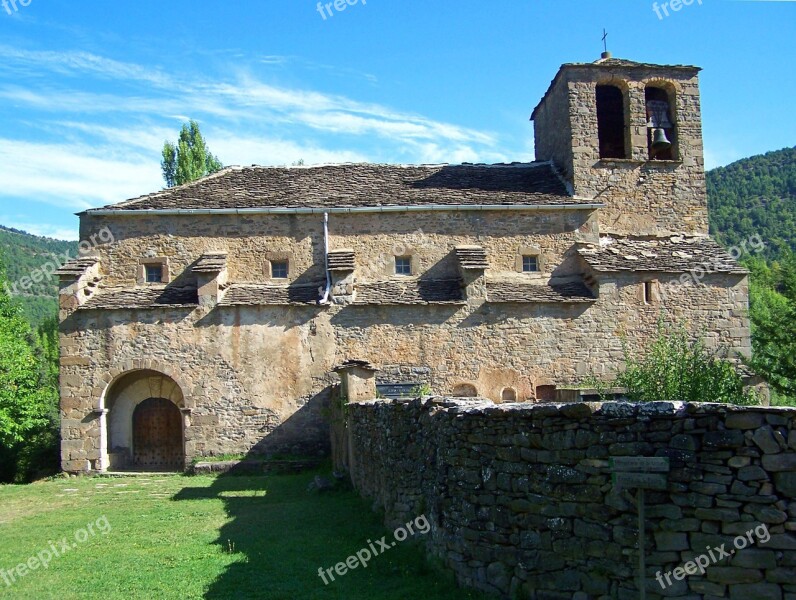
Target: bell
[659,140]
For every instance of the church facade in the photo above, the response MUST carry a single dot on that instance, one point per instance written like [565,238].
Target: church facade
[213,320]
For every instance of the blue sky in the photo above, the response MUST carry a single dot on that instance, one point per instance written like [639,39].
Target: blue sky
[90,89]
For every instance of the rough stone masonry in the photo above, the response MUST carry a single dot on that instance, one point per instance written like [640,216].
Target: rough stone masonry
[212,321]
[521,501]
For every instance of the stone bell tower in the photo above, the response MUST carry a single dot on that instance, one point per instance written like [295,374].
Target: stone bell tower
[628,135]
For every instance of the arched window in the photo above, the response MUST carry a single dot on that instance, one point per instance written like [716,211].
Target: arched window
[611,129]
[508,395]
[465,390]
[661,131]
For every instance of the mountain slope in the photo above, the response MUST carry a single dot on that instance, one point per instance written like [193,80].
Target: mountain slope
[23,255]
[755,196]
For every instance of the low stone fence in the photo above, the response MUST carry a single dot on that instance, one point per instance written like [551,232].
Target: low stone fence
[522,501]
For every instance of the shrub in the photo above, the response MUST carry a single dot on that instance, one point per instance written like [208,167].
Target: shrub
[676,368]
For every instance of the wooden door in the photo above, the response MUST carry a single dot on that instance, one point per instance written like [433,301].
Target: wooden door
[157,436]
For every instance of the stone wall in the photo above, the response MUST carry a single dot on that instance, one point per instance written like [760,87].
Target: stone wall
[522,502]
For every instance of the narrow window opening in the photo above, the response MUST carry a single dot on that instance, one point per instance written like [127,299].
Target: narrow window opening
[648,292]
[660,124]
[530,264]
[403,265]
[279,269]
[154,273]
[611,122]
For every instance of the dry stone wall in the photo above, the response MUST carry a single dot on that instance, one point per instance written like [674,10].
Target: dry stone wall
[522,501]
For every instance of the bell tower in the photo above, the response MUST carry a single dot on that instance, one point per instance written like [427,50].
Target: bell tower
[628,135]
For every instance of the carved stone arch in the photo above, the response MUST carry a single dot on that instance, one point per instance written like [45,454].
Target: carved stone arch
[139,395]
[112,376]
[667,91]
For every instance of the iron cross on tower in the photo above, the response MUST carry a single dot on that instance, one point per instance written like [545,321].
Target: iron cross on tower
[605,40]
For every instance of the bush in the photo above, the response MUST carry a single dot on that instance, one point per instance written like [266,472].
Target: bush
[678,369]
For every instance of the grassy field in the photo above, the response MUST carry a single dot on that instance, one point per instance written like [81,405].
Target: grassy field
[202,537]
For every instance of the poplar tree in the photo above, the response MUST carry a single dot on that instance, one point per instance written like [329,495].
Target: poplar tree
[189,159]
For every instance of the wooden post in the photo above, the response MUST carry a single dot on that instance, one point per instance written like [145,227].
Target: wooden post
[642,587]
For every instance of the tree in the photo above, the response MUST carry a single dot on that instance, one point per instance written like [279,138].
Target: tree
[28,397]
[675,368]
[772,296]
[189,159]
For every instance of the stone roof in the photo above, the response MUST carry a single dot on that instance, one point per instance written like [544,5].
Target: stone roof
[609,63]
[341,260]
[143,297]
[363,185]
[77,266]
[415,291]
[245,294]
[508,291]
[674,254]
[472,257]
[355,363]
[212,262]
[623,62]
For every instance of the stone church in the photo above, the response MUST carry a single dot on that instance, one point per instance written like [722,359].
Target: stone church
[213,321]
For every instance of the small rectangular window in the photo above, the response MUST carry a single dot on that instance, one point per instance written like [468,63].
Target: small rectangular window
[648,294]
[154,273]
[279,269]
[403,265]
[530,264]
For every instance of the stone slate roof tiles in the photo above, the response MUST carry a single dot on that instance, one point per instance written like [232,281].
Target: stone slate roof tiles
[243,294]
[77,266]
[472,257]
[433,291]
[363,185]
[518,292]
[674,254]
[212,262]
[144,297]
[341,260]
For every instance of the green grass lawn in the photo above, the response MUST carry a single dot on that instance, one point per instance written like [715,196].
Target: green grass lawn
[203,537]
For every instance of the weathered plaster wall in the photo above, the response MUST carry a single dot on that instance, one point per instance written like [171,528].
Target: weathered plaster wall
[257,377]
[521,500]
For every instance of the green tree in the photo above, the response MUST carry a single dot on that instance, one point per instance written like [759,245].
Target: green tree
[28,397]
[189,159]
[772,297]
[676,368]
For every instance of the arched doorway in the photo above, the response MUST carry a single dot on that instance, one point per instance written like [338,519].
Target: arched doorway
[157,436]
[142,423]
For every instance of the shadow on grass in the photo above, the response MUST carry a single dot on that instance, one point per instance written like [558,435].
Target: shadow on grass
[283,533]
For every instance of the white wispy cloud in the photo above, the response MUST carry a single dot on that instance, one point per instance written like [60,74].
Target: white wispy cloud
[94,127]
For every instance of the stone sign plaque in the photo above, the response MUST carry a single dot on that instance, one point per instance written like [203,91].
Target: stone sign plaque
[396,390]
[640,464]
[648,481]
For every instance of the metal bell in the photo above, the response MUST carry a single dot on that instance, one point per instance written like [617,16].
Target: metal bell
[659,140]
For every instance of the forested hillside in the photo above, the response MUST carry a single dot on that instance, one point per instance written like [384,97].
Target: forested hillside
[24,255]
[755,196]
